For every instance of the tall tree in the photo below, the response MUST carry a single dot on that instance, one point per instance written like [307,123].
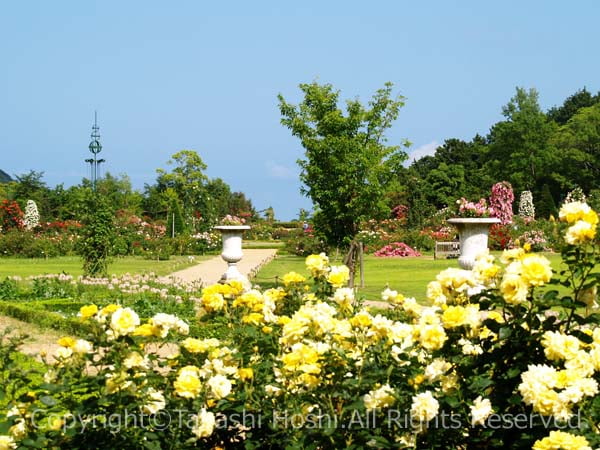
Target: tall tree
[187,179]
[579,144]
[520,145]
[347,162]
[580,99]
[118,190]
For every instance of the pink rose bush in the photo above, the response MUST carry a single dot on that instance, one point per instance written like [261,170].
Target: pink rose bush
[396,250]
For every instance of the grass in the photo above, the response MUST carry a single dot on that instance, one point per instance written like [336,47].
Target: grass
[262,244]
[72,265]
[406,275]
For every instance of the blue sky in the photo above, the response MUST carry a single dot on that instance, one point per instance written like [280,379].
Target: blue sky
[167,76]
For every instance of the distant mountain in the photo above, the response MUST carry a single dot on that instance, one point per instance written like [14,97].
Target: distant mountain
[4,177]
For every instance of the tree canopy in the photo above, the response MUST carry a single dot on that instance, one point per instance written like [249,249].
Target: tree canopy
[347,162]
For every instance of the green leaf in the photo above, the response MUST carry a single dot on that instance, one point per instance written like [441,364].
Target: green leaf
[504,333]
[48,401]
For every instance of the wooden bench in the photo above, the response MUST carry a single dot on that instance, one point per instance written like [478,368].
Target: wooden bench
[446,250]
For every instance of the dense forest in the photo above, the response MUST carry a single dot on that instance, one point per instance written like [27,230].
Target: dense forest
[548,153]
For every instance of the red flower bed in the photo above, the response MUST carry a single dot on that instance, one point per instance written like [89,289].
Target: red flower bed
[396,250]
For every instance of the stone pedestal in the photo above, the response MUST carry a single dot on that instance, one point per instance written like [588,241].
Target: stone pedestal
[473,234]
[232,251]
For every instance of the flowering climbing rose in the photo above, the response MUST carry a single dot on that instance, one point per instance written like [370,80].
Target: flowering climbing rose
[31,219]
[501,201]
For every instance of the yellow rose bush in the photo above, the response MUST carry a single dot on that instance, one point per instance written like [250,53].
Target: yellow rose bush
[506,355]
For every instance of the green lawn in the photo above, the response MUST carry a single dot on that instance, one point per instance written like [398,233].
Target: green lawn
[262,244]
[406,275]
[72,265]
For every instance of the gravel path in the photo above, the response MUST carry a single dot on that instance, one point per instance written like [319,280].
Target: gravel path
[38,340]
[210,271]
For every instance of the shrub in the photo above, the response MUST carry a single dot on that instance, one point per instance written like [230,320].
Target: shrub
[396,250]
[42,247]
[499,237]
[496,343]
[305,244]
[98,235]
[420,241]
[14,242]
[11,216]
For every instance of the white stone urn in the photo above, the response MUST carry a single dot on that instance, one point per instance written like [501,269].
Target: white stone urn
[232,251]
[473,234]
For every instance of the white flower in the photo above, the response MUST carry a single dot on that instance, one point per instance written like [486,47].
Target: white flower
[379,398]
[63,353]
[31,218]
[135,360]
[424,407]
[156,402]
[204,423]
[166,322]
[7,442]
[480,410]
[82,346]
[220,386]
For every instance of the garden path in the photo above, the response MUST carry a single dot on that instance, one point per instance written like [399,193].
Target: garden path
[39,340]
[210,271]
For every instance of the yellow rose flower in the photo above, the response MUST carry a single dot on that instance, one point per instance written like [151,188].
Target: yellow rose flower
[253,319]
[213,301]
[511,255]
[155,401]
[338,276]
[146,330]
[293,278]
[317,264]
[562,440]
[379,398]
[574,211]
[188,384]
[109,309]
[424,407]
[87,311]
[124,321]
[7,442]
[220,386]
[66,341]
[361,319]
[432,337]
[245,373]
[454,316]
[535,269]
[514,289]
[580,233]
[194,345]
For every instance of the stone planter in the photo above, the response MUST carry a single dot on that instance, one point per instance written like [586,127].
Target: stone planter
[473,234]
[232,251]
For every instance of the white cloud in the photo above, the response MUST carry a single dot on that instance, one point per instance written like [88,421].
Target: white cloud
[423,150]
[279,171]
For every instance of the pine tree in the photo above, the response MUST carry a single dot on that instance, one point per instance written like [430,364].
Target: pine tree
[546,206]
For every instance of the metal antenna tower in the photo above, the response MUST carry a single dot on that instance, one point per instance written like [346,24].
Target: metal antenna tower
[95,147]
